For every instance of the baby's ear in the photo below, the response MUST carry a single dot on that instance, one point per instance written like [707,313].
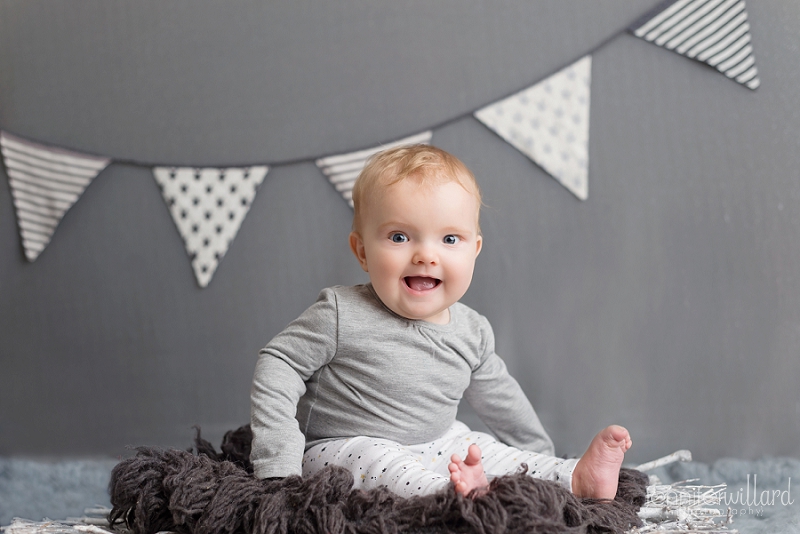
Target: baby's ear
[478,245]
[357,246]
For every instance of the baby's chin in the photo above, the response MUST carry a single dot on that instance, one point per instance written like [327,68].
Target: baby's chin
[439,316]
[404,306]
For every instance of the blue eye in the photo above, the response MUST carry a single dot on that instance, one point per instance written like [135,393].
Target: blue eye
[451,239]
[398,238]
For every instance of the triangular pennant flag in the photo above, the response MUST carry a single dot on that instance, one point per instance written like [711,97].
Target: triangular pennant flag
[208,206]
[715,32]
[549,123]
[342,170]
[45,183]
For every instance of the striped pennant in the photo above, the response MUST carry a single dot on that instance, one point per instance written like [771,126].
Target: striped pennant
[549,123]
[208,206]
[342,170]
[715,32]
[45,183]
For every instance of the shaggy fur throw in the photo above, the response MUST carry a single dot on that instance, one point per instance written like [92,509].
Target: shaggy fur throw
[207,492]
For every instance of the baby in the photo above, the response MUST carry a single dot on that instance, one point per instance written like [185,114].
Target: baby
[370,376]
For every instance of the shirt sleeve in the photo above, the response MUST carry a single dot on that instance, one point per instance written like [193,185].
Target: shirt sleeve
[283,368]
[500,402]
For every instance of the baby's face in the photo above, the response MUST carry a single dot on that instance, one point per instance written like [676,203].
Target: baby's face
[419,243]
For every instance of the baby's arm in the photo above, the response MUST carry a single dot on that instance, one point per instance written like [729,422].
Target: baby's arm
[282,370]
[278,443]
[500,402]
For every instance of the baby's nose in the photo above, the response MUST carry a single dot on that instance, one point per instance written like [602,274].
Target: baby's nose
[425,255]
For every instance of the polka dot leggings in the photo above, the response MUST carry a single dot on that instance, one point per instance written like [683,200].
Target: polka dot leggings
[422,469]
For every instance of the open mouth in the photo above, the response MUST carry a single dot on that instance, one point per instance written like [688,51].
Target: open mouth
[421,283]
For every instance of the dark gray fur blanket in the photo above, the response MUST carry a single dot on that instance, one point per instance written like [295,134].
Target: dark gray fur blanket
[206,492]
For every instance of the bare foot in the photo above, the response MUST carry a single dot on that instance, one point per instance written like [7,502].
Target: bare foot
[468,475]
[597,473]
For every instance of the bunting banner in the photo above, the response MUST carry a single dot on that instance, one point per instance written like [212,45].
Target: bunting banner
[45,182]
[208,206]
[343,169]
[715,32]
[549,123]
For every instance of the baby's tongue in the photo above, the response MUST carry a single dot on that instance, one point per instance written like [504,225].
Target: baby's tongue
[420,283]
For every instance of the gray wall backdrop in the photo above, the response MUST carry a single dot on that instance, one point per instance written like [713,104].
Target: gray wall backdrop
[668,302]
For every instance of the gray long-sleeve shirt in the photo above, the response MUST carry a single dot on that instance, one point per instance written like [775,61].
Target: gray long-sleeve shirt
[349,366]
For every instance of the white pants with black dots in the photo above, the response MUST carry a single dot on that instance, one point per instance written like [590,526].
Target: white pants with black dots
[422,469]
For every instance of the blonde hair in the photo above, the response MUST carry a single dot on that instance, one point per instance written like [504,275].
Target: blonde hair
[425,164]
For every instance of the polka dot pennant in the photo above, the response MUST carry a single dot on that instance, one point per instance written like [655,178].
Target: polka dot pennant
[715,32]
[549,123]
[208,206]
[343,169]
[45,182]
